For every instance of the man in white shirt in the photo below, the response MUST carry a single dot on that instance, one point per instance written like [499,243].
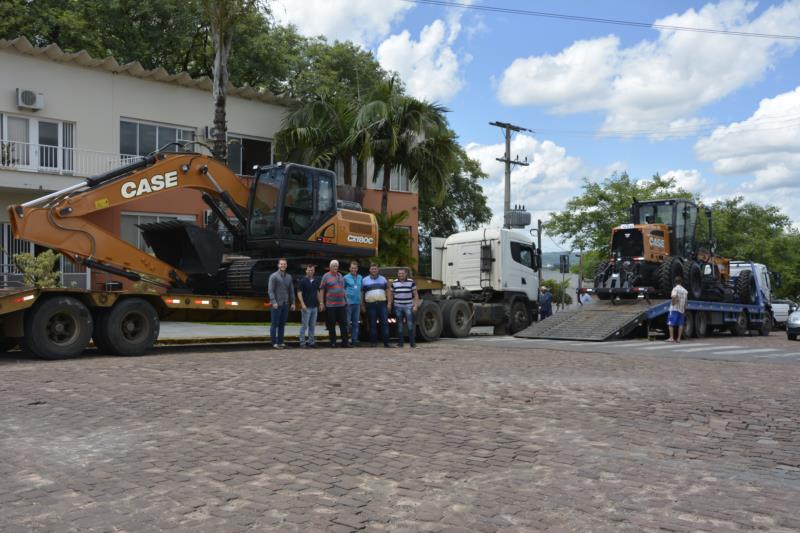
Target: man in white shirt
[677,310]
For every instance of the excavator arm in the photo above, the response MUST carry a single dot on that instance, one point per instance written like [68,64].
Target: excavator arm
[61,220]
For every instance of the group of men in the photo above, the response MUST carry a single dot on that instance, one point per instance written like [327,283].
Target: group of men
[343,298]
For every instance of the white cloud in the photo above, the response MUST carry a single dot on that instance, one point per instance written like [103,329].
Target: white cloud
[428,66]
[765,145]
[656,85]
[360,21]
[552,178]
[690,180]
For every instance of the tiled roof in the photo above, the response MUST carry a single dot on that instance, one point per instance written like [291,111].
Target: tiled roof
[54,53]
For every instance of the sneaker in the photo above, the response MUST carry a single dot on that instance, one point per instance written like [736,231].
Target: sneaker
[311,345]
[373,345]
[346,345]
[413,345]
[276,346]
[387,345]
[399,344]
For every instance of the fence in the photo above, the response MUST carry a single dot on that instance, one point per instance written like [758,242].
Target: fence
[16,155]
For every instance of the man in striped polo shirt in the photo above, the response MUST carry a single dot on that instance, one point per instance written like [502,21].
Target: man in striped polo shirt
[404,299]
[333,300]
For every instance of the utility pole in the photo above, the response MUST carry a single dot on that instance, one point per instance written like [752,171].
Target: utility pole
[539,245]
[511,218]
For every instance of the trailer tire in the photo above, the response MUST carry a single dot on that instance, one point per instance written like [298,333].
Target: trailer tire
[57,328]
[693,278]
[130,328]
[700,324]
[688,325]
[666,274]
[766,325]
[429,321]
[457,318]
[739,328]
[746,287]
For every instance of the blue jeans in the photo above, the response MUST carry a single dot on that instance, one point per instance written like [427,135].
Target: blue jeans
[308,319]
[378,312]
[278,323]
[408,314]
[353,316]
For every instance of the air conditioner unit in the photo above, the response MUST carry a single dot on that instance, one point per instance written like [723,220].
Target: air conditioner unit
[209,132]
[28,99]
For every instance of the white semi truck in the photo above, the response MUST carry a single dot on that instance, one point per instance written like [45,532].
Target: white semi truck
[490,278]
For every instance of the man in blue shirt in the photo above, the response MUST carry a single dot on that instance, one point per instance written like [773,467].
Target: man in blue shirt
[376,295]
[545,303]
[309,303]
[352,287]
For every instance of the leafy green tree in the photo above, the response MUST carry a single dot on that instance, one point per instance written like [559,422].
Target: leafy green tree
[318,131]
[408,135]
[560,291]
[394,243]
[464,208]
[39,271]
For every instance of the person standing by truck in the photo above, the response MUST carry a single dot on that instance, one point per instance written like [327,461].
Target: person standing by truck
[376,296]
[309,303]
[405,301]
[281,297]
[545,303]
[677,310]
[352,286]
[333,300]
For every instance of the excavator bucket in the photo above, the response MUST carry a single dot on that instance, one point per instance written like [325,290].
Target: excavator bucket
[187,247]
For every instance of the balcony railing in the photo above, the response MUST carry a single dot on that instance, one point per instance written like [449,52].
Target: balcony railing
[29,157]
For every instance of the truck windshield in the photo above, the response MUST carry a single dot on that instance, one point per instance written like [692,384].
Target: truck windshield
[627,243]
[265,202]
[655,214]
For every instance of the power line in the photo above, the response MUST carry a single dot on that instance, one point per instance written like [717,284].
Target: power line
[543,14]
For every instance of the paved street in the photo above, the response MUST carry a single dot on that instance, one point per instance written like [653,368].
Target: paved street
[471,435]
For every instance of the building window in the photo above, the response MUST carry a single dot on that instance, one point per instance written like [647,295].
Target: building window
[244,153]
[36,143]
[141,138]
[399,182]
[131,233]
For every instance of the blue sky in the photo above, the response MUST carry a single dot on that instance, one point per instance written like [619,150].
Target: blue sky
[720,113]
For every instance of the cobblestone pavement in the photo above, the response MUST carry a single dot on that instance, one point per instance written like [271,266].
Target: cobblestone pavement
[448,437]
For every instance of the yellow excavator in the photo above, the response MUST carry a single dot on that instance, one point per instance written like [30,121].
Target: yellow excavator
[288,210]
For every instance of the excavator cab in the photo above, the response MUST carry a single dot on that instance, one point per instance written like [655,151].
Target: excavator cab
[679,218]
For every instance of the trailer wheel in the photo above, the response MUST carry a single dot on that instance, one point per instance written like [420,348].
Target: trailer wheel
[457,318]
[688,325]
[739,327]
[766,325]
[520,318]
[746,287]
[693,277]
[130,328]
[700,324]
[57,328]
[429,321]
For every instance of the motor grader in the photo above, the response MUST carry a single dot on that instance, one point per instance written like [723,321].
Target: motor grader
[658,245]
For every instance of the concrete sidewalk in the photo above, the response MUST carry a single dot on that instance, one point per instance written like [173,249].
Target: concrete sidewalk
[191,332]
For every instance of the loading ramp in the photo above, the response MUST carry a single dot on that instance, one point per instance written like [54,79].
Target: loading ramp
[598,321]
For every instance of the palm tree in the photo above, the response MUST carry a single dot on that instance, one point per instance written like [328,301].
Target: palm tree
[223,15]
[401,133]
[318,132]
[394,246]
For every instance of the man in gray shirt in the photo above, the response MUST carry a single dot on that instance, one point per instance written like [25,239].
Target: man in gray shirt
[281,297]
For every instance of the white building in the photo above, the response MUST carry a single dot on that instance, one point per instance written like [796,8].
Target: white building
[67,116]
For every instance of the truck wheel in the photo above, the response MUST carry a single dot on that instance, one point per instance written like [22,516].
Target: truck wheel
[520,318]
[130,328]
[700,324]
[57,328]
[693,277]
[746,287]
[457,317]
[766,326]
[739,327]
[688,325]
[666,274]
[429,321]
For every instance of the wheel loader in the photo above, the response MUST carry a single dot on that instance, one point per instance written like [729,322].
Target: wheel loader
[288,210]
[658,245]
